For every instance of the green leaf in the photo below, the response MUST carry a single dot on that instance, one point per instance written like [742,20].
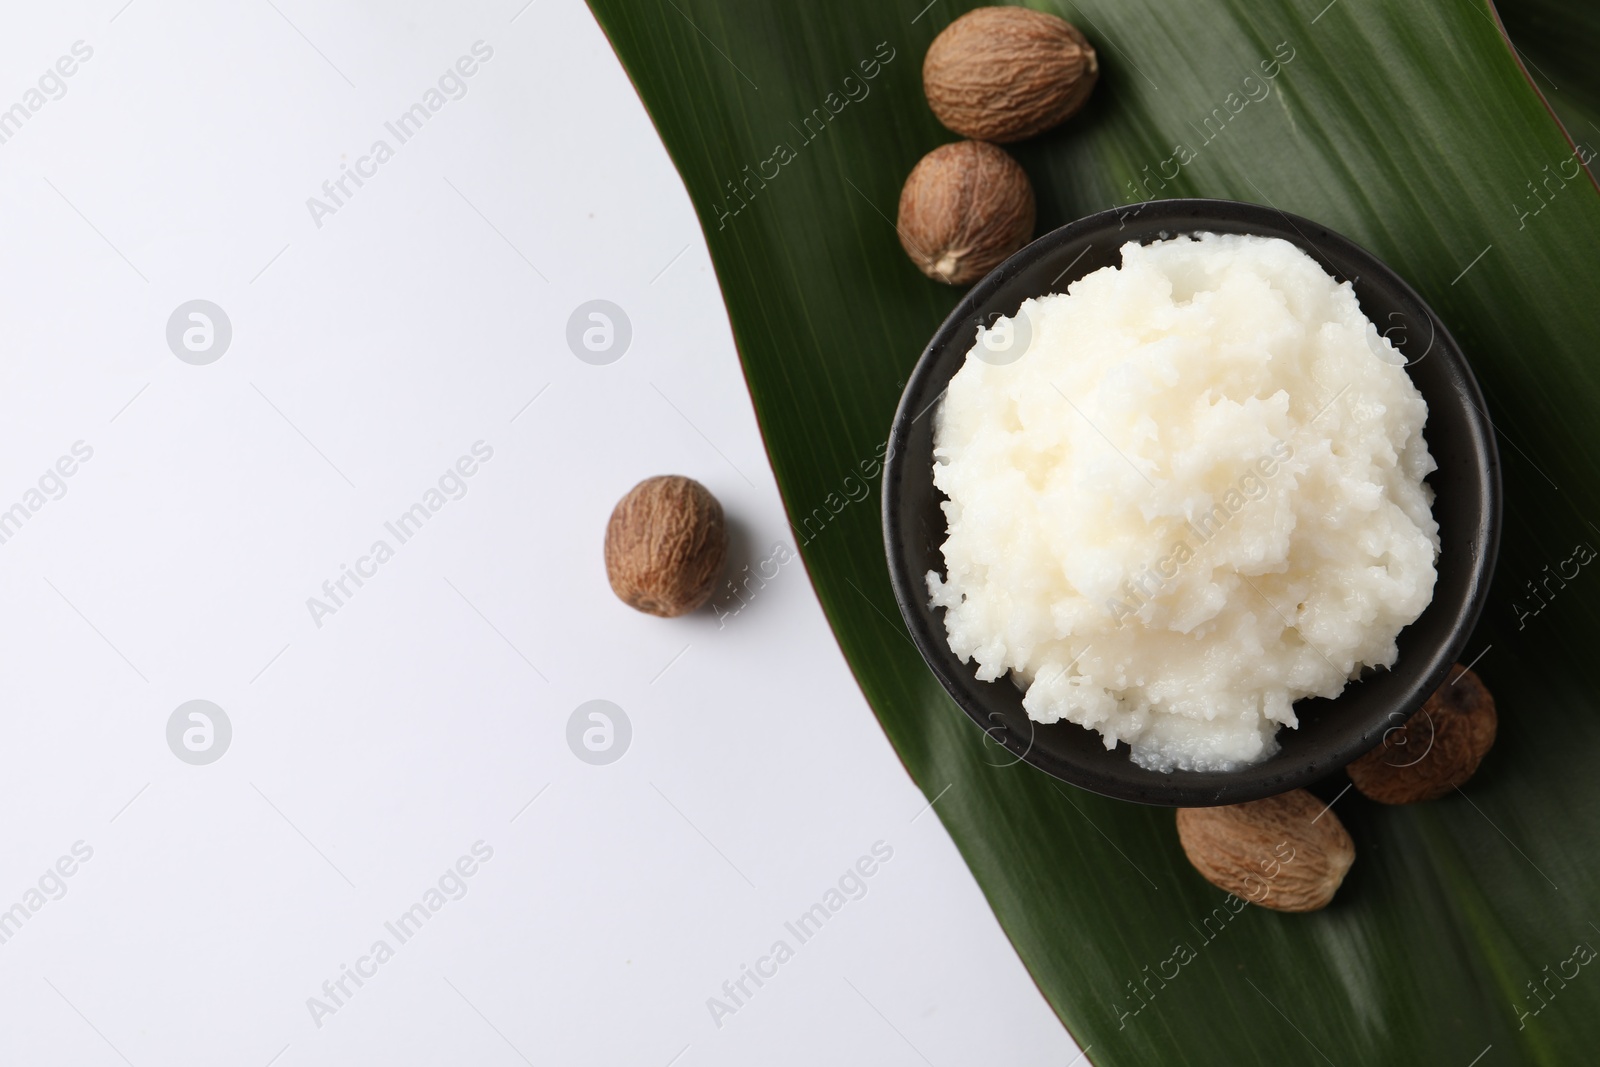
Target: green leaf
[1556,41]
[1410,127]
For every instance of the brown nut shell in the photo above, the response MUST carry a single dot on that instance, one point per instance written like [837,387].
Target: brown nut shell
[1288,853]
[666,545]
[964,209]
[1002,74]
[1435,750]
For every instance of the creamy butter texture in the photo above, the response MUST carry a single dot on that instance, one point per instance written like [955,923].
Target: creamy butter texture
[1197,497]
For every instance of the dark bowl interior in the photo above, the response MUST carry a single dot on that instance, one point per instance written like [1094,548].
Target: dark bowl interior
[1332,732]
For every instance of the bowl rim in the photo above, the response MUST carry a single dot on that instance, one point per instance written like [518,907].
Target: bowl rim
[1184,788]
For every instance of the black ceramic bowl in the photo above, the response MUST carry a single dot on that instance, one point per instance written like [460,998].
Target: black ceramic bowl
[1331,732]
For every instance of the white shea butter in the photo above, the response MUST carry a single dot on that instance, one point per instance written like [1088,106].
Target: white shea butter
[1196,498]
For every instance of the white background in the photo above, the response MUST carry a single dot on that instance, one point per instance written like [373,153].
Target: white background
[371,752]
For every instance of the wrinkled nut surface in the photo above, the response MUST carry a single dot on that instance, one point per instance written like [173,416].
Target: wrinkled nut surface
[665,546]
[965,208]
[1005,73]
[1435,750]
[1288,853]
